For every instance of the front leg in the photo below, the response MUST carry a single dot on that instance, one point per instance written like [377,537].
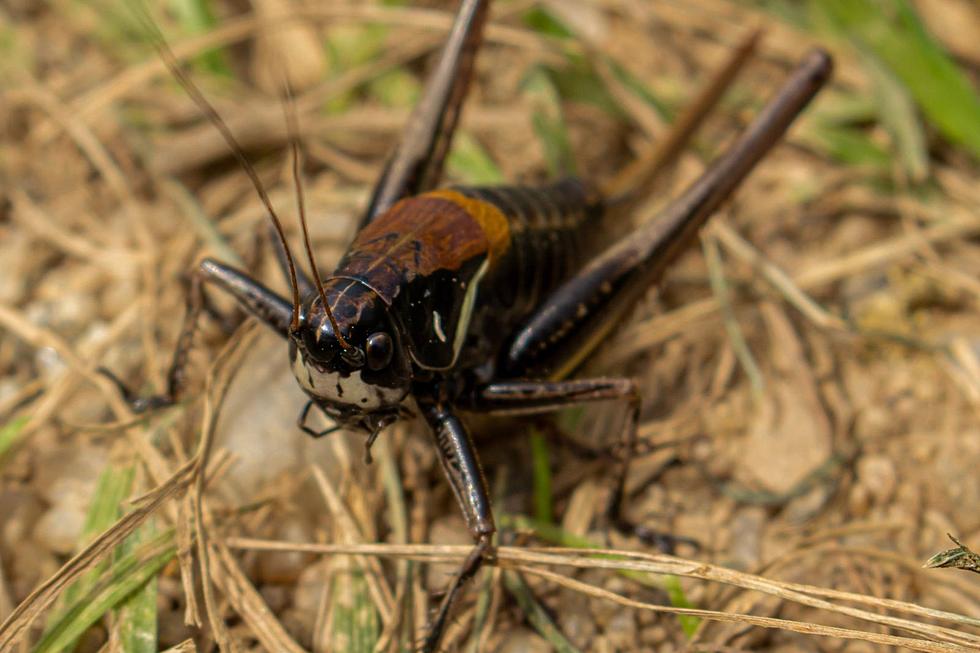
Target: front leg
[462,467]
[254,297]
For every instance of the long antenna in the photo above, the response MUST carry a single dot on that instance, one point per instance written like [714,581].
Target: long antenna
[292,125]
[168,57]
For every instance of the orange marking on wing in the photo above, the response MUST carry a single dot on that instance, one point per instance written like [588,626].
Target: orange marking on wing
[489,217]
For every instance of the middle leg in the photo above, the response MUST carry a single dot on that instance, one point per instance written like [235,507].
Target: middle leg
[535,397]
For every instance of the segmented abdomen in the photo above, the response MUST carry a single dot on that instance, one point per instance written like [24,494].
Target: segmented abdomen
[548,227]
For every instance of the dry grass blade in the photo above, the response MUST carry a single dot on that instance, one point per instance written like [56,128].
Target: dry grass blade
[248,603]
[97,99]
[219,378]
[115,484]
[187,646]
[17,323]
[380,591]
[83,136]
[398,519]
[641,172]
[121,584]
[652,332]
[45,594]
[27,213]
[531,560]
[764,622]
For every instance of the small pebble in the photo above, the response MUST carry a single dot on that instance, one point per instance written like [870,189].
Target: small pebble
[747,527]
[524,641]
[60,528]
[308,594]
[877,474]
[621,630]
[286,566]
[575,620]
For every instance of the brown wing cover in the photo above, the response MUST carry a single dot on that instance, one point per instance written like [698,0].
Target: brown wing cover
[425,258]
[461,267]
[415,238]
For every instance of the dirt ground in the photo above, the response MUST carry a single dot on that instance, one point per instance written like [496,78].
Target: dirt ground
[810,375]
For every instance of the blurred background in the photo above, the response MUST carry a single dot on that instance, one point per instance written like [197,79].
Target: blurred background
[810,374]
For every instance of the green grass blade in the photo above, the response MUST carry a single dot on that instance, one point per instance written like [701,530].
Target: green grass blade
[556,535]
[137,614]
[641,90]
[549,123]
[543,21]
[481,612]
[396,88]
[892,30]
[196,17]
[960,557]
[722,294]
[114,585]
[110,23]
[848,145]
[10,433]
[541,466]
[111,490]
[356,626]
[678,599]
[897,113]
[535,614]
[349,46]
[470,163]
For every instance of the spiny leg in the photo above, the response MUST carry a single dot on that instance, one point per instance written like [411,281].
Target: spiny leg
[416,164]
[579,315]
[583,310]
[533,397]
[462,468]
[176,374]
[254,297]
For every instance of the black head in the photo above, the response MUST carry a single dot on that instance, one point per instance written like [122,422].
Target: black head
[360,378]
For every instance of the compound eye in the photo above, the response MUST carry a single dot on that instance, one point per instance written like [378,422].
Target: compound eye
[379,351]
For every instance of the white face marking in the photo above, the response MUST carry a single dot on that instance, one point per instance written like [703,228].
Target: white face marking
[437,325]
[351,390]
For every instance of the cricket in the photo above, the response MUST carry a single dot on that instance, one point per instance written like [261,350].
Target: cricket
[473,299]
[455,307]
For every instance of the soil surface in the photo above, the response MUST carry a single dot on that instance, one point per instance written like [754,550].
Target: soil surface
[810,373]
